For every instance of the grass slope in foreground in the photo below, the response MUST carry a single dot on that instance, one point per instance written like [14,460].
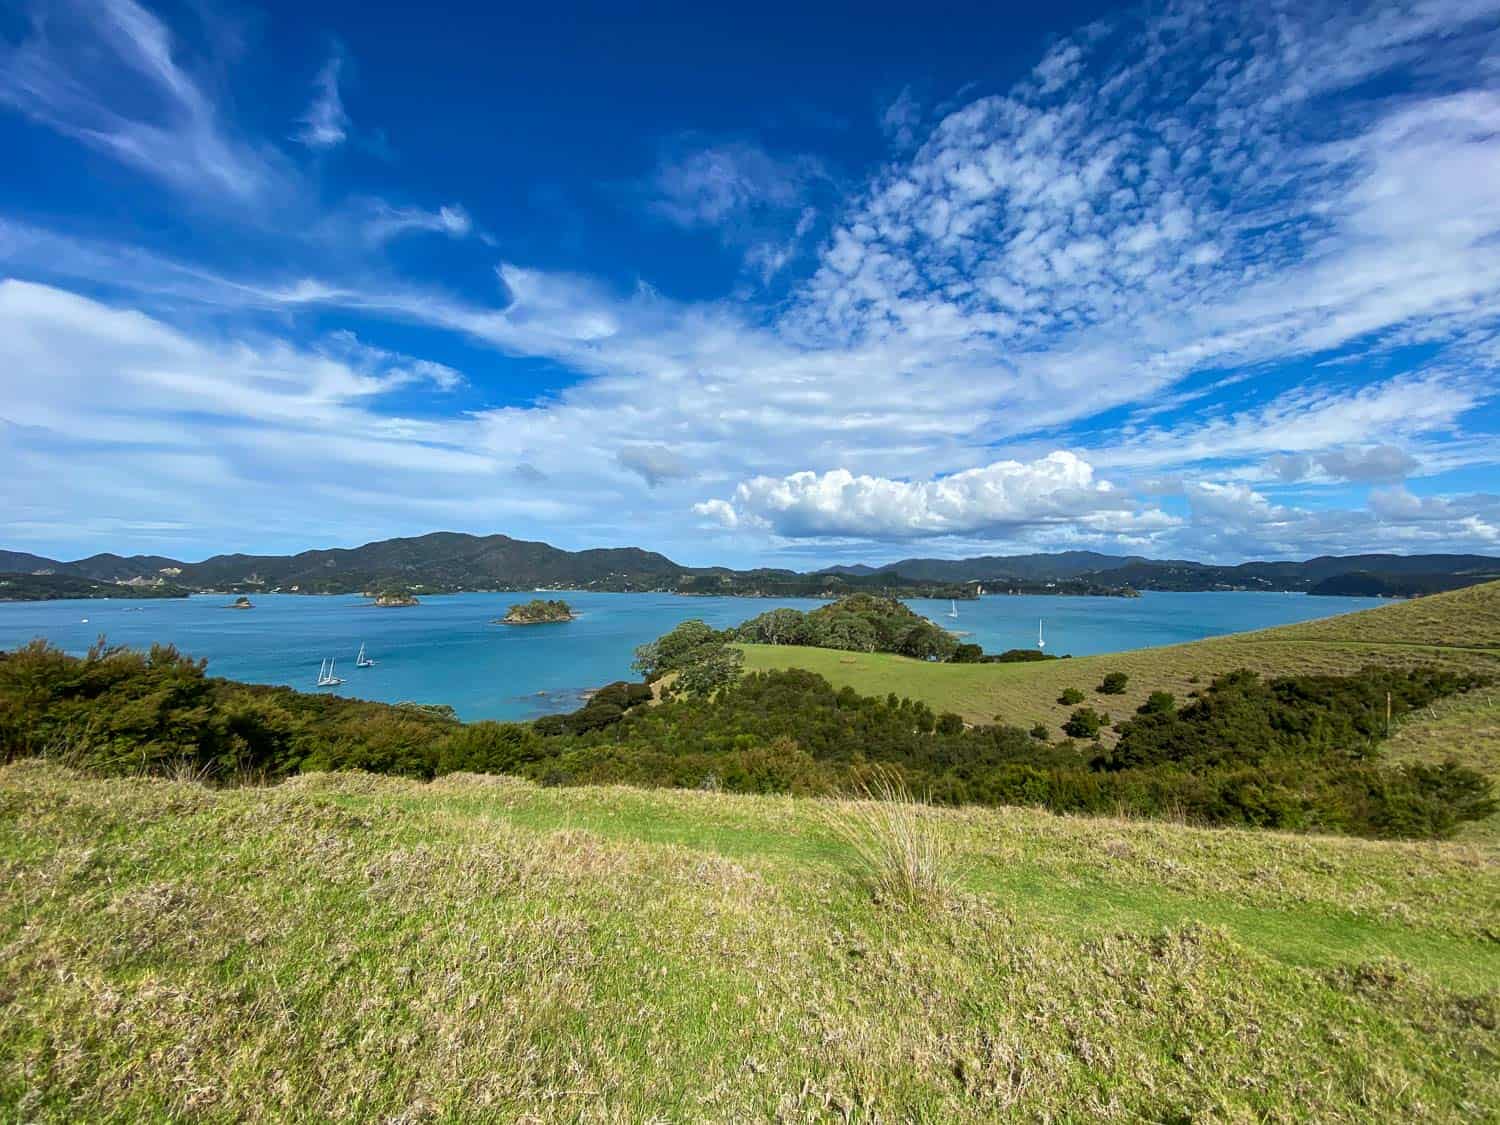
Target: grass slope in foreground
[479,948]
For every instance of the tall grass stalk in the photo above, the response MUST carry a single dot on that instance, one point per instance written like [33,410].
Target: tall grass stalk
[900,850]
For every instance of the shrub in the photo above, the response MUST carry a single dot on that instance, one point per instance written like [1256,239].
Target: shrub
[1114,684]
[1084,722]
[1070,696]
[1158,703]
[1039,732]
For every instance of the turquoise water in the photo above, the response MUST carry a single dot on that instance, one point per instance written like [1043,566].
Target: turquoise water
[446,651]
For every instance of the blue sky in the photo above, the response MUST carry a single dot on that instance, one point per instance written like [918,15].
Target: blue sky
[1188,279]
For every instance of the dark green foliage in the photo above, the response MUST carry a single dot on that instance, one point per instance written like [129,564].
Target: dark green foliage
[1040,733]
[1070,696]
[119,711]
[1297,753]
[686,644]
[968,654]
[1018,656]
[1085,722]
[714,670]
[538,611]
[858,623]
[1113,683]
[1158,703]
[1242,719]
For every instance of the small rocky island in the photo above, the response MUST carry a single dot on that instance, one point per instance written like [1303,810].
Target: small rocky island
[394,598]
[241,602]
[537,612]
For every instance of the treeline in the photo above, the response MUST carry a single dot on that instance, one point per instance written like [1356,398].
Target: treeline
[1297,753]
[49,587]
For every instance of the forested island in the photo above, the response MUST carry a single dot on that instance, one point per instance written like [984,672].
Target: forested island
[395,599]
[538,611]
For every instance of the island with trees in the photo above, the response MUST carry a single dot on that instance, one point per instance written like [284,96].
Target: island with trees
[395,599]
[241,602]
[538,611]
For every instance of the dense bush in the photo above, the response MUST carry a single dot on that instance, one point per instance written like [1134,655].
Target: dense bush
[1113,683]
[1292,753]
[120,711]
[858,623]
[1085,722]
[1070,696]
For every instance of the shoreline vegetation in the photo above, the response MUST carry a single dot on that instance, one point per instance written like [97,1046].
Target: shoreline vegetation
[538,611]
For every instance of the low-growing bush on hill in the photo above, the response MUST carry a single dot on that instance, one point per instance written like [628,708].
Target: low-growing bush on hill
[1113,683]
[1292,753]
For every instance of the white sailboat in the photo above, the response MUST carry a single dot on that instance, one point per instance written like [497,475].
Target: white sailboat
[326,678]
[952,608]
[363,661]
[1040,642]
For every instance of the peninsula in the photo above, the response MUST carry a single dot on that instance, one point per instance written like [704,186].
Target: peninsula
[538,611]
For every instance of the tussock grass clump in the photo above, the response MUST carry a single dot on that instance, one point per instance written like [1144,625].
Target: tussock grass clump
[900,850]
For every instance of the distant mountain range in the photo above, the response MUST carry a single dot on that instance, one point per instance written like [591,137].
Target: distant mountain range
[450,561]
[1390,575]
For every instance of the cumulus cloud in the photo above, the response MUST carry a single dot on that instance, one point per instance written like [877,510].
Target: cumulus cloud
[1004,495]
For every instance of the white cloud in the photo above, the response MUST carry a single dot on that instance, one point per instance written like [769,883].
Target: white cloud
[1059,488]
[66,75]
[325,124]
[385,222]
[901,119]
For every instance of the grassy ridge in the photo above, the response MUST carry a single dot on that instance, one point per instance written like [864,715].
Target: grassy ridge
[479,948]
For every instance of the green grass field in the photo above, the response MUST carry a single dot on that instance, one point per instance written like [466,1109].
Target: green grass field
[350,946]
[1460,628]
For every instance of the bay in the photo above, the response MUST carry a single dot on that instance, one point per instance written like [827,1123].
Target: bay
[446,650]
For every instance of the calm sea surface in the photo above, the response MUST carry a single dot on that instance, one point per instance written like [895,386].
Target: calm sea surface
[446,651]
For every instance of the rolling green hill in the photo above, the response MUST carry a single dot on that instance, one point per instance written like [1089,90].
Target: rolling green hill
[372,948]
[1460,628]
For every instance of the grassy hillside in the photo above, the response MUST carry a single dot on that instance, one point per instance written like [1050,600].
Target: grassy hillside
[480,948]
[1460,628]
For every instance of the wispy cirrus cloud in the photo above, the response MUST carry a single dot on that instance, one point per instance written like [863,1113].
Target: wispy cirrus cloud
[325,123]
[67,73]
